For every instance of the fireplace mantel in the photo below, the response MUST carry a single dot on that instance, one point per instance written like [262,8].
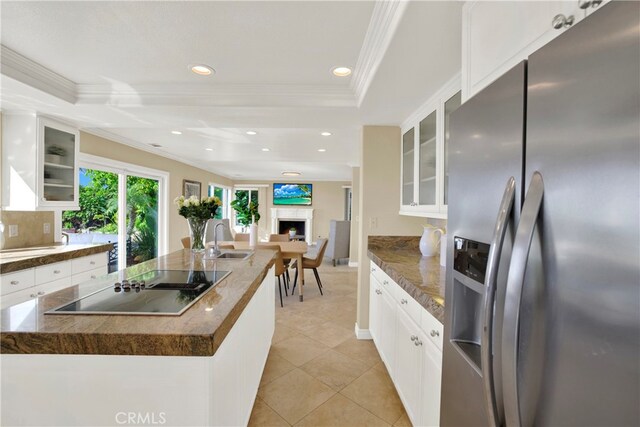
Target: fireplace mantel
[293,214]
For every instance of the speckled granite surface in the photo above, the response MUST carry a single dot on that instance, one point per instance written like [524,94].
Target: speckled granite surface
[199,331]
[21,259]
[421,277]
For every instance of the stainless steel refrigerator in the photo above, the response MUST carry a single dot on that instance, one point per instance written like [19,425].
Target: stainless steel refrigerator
[542,323]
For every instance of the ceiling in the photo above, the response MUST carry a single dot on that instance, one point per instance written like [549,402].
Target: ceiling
[121,70]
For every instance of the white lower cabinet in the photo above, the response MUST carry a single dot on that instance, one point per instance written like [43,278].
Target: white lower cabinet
[412,354]
[35,282]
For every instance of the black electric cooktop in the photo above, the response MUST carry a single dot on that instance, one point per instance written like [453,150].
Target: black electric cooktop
[157,292]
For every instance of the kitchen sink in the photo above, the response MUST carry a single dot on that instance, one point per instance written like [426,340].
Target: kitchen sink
[234,255]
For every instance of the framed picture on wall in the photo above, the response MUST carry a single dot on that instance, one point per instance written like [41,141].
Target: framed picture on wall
[191,188]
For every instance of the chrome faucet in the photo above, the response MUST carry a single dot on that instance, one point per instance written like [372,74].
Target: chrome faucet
[216,249]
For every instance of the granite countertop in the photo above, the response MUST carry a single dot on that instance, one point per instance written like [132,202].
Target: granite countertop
[423,278]
[20,259]
[199,331]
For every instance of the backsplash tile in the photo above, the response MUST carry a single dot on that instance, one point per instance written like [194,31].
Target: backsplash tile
[30,229]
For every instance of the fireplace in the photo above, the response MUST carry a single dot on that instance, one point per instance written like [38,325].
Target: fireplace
[300,218]
[284,225]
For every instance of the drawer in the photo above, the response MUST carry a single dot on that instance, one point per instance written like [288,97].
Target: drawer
[51,287]
[17,297]
[86,263]
[17,281]
[409,305]
[51,272]
[432,327]
[85,276]
[383,278]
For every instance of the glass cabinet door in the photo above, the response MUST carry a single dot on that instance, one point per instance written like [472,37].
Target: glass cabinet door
[59,160]
[427,165]
[408,148]
[450,106]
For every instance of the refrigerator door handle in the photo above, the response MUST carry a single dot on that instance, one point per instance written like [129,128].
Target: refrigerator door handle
[513,298]
[490,282]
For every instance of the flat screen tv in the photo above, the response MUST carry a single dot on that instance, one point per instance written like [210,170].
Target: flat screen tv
[292,194]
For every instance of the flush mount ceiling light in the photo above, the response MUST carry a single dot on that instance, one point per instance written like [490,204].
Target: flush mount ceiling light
[201,69]
[209,149]
[266,149]
[291,173]
[252,132]
[326,134]
[176,132]
[341,71]
[322,150]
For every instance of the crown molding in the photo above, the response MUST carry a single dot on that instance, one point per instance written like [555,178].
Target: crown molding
[31,73]
[384,22]
[143,147]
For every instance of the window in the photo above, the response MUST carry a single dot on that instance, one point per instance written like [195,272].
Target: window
[221,193]
[247,196]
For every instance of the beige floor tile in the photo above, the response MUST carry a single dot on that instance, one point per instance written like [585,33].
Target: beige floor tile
[263,416]
[299,349]
[344,320]
[275,367]
[403,421]
[363,350]
[330,334]
[381,367]
[294,395]
[334,369]
[282,333]
[303,323]
[340,411]
[375,392]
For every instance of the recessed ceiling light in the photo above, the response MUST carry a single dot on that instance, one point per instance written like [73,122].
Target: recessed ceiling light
[325,133]
[251,132]
[266,149]
[209,149]
[322,150]
[202,70]
[341,71]
[176,132]
[291,173]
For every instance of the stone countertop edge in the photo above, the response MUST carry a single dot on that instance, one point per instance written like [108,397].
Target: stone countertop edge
[48,256]
[201,337]
[431,296]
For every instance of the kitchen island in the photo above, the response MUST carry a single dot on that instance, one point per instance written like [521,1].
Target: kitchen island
[202,367]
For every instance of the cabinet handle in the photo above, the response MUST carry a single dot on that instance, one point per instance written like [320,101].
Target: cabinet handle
[40,293]
[15,282]
[373,269]
[93,276]
[92,262]
[417,342]
[56,271]
[386,282]
[595,3]
[414,337]
[33,296]
[434,333]
[378,292]
[561,21]
[584,4]
[403,301]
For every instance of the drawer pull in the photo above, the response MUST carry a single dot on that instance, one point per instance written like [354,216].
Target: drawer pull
[56,271]
[15,282]
[40,293]
[403,301]
[414,337]
[417,342]
[92,262]
[33,296]
[378,292]
[373,269]
[386,282]
[93,276]
[434,333]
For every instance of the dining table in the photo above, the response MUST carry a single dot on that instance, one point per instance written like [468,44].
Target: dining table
[293,249]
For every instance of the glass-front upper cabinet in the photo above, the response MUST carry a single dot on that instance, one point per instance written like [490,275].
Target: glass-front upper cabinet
[408,148]
[425,144]
[58,169]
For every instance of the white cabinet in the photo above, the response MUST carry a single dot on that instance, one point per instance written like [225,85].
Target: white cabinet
[498,35]
[24,285]
[424,174]
[39,163]
[409,340]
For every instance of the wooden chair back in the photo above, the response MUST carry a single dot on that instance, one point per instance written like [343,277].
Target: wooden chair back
[315,262]
[241,237]
[186,242]
[280,269]
[279,237]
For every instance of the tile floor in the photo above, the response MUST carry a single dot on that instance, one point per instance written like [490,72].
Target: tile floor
[318,373]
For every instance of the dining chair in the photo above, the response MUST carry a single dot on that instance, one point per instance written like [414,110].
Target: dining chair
[287,261]
[312,264]
[186,242]
[241,237]
[280,269]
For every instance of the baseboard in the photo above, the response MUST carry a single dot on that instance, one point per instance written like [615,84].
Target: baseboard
[353,263]
[362,334]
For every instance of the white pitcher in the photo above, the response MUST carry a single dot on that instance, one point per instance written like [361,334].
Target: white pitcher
[430,239]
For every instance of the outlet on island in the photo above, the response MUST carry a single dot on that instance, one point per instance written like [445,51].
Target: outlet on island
[13,230]
[46,229]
